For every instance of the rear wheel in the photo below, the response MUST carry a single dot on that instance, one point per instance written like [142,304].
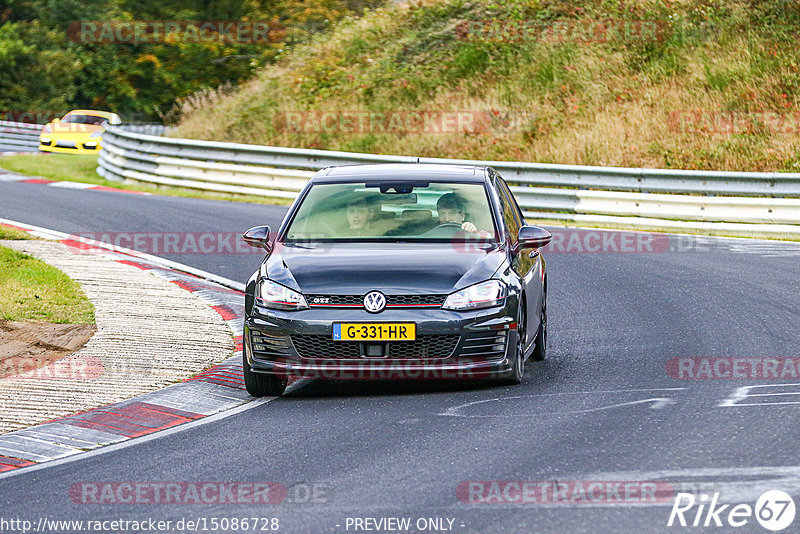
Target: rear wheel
[261,385]
[540,350]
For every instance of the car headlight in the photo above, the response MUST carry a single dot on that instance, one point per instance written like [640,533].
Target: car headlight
[278,297]
[478,296]
[45,140]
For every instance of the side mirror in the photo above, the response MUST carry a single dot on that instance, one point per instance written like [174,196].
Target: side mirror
[115,120]
[532,237]
[258,237]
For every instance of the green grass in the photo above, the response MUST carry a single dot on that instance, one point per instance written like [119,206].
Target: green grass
[12,233]
[82,168]
[75,167]
[31,290]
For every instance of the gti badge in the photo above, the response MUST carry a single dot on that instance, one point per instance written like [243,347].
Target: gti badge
[374,301]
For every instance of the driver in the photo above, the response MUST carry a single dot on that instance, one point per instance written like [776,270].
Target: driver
[360,214]
[451,210]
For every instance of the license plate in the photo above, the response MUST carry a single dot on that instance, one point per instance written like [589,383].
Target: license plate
[374,331]
[65,144]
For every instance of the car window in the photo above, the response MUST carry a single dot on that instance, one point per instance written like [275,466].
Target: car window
[511,213]
[381,209]
[517,210]
[84,119]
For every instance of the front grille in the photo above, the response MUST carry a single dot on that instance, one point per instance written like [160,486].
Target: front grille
[267,347]
[490,345]
[392,301]
[323,347]
[426,347]
[433,347]
[415,300]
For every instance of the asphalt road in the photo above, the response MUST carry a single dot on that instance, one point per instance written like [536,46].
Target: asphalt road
[602,407]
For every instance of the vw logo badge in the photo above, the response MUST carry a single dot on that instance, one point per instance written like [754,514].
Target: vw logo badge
[374,301]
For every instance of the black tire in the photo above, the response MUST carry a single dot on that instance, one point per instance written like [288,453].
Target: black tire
[261,385]
[518,366]
[540,349]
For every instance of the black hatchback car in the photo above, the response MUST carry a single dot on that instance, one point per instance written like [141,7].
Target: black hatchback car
[397,271]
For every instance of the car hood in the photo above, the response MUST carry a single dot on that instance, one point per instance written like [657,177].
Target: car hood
[404,268]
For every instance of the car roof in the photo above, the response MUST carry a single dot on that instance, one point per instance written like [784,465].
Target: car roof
[92,112]
[401,171]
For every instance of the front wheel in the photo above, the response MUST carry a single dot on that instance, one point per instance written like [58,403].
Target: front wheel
[540,350]
[518,364]
[261,385]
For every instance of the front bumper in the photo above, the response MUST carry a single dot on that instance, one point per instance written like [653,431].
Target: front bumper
[284,329]
[73,145]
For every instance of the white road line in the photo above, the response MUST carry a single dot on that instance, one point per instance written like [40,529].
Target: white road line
[774,394]
[744,393]
[765,403]
[658,403]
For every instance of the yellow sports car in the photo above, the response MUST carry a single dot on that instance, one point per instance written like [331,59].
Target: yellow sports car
[78,132]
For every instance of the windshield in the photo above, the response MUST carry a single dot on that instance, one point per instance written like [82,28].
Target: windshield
[84,119]
[387,210]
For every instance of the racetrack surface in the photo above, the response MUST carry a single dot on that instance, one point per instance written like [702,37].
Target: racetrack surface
[602,407]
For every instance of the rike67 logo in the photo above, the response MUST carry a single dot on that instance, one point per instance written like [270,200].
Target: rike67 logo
[774,510]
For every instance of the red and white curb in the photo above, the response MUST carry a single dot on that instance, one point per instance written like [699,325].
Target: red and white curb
[6,176]
[215,390]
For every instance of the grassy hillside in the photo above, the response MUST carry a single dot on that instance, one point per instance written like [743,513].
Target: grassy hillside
[696,84]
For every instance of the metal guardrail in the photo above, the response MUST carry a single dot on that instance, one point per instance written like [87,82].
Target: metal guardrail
[149,128]
[19,135]
[727,203]
[23,136]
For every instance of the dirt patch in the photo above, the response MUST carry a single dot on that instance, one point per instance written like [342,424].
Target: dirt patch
[25,347]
